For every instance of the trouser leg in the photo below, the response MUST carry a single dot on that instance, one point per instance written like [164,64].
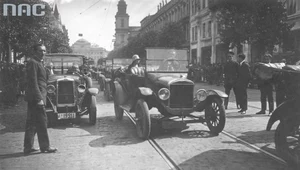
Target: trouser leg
[30,127]
[270,99]
[227,91]
[263,96]
[243,98]
[42,132]
[235,91]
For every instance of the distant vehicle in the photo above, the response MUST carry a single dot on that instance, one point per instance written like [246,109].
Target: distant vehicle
[70,93]
[163,84]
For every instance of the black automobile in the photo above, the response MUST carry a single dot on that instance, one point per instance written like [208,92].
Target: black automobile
[163,84]
[70,93]
[117,63]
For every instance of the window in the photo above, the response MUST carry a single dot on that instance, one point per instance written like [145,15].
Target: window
[292,7]
[203,30]
[122,22]
[122,38]
[209,29]
[196,33]
[203,4]
[193,33]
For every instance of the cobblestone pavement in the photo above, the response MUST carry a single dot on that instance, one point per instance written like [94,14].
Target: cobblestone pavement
[112,144]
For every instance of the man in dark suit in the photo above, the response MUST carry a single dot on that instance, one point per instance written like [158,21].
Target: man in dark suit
[36,92]
[266,90]
[231,73]
[244,76]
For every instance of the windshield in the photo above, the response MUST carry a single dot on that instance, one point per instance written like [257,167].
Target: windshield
[166,60]
[61,64]
[121,62]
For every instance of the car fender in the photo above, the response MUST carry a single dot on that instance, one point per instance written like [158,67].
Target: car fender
[285,110]
[121,95]
[93,91]
[216,92]
[145,91]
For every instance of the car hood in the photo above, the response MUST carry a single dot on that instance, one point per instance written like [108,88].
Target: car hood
[168,79]
[53,78]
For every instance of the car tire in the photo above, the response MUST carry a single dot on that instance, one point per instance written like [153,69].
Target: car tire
[283,136]
[143,121]
[215,115]
[107,94]
[100,81]
[92,111]
[51,119]
[119,112]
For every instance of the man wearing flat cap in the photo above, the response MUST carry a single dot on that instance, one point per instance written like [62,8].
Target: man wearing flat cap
[231,73]
[266,90]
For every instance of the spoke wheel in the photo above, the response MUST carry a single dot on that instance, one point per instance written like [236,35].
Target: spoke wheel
[143,122]
[215,115]
[119,112]
[287,141]
[92,111]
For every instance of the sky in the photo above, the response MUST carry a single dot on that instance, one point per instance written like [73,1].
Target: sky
[95,19]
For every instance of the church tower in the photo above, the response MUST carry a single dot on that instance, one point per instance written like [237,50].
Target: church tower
[122,25]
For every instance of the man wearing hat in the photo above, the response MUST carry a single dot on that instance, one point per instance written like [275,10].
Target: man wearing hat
[266,88]
[135,63]
[231,73]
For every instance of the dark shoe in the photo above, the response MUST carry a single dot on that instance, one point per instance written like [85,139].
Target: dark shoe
[28,151]
[243,112]
[226,107]
[261,112]
[49,150]
[240,111]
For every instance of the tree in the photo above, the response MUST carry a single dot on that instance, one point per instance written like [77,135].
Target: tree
[171,35]
[260,22]
[22,32]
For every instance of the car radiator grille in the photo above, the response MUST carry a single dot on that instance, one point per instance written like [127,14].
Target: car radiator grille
[181,96]
[65,92]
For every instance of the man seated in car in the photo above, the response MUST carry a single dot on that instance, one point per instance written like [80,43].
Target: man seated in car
[135,64]
[74,69]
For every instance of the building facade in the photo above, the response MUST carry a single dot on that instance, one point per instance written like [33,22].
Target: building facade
[172,11]
[85,48]
[293,10]
[205,39]
[122,29]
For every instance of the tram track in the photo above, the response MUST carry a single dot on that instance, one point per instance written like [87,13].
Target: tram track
[171,163]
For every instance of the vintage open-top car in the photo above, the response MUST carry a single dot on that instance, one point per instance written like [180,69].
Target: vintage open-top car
[117,63]
[105,72]
[69,92]
[163,84]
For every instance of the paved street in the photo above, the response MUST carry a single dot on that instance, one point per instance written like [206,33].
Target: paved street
[112,144]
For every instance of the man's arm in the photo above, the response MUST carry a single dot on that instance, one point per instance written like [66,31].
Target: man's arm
[32,81]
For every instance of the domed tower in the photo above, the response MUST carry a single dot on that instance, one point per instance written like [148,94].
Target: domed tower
[122,25]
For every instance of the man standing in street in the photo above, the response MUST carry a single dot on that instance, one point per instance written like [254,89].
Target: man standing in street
[266,90]
[231,73]
[36,92]
[244,76]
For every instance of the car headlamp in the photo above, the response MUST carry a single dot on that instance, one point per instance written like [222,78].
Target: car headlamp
[50,88]
[81,88]
[201,95]
[164,94]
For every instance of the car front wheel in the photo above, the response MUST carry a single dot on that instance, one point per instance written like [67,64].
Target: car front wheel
[143,122]
[215,115]
[92,111]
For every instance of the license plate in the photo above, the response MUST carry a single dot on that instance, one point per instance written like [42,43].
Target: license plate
[66,115]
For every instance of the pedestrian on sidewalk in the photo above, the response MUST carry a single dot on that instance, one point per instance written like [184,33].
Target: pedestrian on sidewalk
[266,90]
[244,77]
[36,92]
[231,73]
